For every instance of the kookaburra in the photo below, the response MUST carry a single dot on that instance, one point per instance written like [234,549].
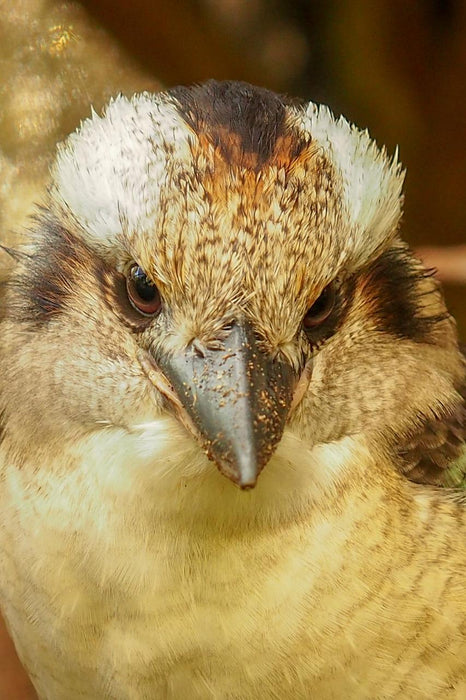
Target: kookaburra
[215,287]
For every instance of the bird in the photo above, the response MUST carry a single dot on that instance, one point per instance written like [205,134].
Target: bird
[231,398]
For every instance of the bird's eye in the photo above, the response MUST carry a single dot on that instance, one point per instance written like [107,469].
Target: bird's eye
[321,308]
[142,293]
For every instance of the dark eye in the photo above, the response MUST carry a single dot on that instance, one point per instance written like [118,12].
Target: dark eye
[321,308]
[142,293]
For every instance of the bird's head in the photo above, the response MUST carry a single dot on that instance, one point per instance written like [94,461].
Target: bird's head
[230,258]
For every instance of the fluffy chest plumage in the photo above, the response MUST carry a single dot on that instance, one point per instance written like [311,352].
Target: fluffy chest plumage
[207,594]
[225,617]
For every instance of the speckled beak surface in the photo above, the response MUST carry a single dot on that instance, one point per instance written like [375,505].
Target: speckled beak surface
[236,399]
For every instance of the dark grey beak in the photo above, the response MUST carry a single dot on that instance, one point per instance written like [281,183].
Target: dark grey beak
[237,400]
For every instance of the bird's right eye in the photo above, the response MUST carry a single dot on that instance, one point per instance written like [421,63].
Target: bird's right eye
[142,292]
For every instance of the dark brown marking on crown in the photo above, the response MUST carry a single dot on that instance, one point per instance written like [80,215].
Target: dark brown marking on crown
[247,125]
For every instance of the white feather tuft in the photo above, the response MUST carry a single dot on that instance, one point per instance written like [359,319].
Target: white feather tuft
[371,182]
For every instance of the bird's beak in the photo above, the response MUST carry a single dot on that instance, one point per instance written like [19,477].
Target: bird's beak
[235,400]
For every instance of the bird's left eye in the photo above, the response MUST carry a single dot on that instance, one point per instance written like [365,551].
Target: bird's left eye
[321,308]
[142,292]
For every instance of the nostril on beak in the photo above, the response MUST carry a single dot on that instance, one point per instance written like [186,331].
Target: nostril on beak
[228,326]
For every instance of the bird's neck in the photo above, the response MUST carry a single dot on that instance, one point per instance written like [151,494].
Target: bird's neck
[155,483]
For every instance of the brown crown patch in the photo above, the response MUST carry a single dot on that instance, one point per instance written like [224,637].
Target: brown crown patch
[246,125]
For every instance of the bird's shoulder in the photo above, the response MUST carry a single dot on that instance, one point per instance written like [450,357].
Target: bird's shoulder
[437,453]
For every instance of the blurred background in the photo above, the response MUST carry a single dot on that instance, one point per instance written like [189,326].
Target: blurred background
[396,67]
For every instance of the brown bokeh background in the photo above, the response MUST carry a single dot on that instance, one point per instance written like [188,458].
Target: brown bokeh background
[395,67]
